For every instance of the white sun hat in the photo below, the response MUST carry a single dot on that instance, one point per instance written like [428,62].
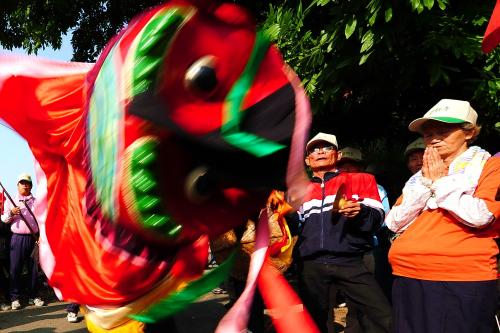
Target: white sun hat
[450,111]
[330,138]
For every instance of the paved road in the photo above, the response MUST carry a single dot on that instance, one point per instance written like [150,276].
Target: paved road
[201,317]
[45,319]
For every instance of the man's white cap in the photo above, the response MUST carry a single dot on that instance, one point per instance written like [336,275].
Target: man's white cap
[24,176]
[418,144]
[450,111]
[350,153]
[330,138]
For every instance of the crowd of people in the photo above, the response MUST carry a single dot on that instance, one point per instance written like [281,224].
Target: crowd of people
[443,254]
[442,250]
[426,264]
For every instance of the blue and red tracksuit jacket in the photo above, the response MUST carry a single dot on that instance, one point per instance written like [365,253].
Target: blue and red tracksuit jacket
[330,237]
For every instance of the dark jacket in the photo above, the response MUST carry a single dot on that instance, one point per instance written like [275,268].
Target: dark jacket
[330,237]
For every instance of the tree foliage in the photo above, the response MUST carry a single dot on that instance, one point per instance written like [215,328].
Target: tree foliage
[370,67]
[39,24]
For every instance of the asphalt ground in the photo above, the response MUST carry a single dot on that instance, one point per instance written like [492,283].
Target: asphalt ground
[199,317]
[45,319]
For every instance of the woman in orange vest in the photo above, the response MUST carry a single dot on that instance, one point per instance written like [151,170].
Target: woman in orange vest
[445,259]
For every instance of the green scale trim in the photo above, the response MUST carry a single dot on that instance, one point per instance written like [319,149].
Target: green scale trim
[230,129]
[104,121]
[150,50]
[152,47]
[106,113]
[147,202]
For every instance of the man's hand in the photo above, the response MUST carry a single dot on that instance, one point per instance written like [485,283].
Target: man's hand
[350,208]
[433,166]
[15,211]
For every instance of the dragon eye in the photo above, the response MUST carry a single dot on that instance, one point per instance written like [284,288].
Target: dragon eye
[201,75]
[199,186]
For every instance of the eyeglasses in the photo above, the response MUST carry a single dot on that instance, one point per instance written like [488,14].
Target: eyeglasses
[325,149]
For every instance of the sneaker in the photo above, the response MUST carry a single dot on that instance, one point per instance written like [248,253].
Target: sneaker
[5,307]
[36,301]
[15,305]
[72,317]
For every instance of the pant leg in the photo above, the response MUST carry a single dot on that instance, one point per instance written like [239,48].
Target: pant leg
[365,295]
[369,261]
[33,269]
[4,280]
[383,270]
[314,284]
[443,307]
[470,306]
[334,301]
[73,307]
[20,252]
[353,319]
[16,264]
[354,316]
[4,264]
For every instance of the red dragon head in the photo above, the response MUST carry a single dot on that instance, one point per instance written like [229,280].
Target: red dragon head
[190,120]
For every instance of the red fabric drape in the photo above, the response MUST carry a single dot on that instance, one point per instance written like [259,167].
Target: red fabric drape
[492,35]
[1,202]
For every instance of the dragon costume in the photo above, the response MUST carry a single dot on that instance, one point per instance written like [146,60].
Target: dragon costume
[491,36]
[176,134]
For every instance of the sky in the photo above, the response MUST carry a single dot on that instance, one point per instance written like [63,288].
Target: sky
[15,156]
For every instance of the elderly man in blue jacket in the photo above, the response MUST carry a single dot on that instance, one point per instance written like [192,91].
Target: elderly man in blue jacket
[337,220]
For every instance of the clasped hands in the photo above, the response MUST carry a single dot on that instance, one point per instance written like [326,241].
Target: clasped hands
[350,208]
[433,167]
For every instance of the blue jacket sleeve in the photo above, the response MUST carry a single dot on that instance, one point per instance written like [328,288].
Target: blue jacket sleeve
[369,219]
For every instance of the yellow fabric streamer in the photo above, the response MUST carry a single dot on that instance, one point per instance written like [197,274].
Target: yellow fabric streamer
[131,326]
[108,320]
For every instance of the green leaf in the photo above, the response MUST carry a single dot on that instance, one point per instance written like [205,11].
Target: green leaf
[367,36]
[415,4]
[324,37]
[442,4]
[350,27]
[322,2]
[364,58]
[479,21]
[429,3]
[273,31]
[373,18]
[329,48]
[388,14]
[367,41]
